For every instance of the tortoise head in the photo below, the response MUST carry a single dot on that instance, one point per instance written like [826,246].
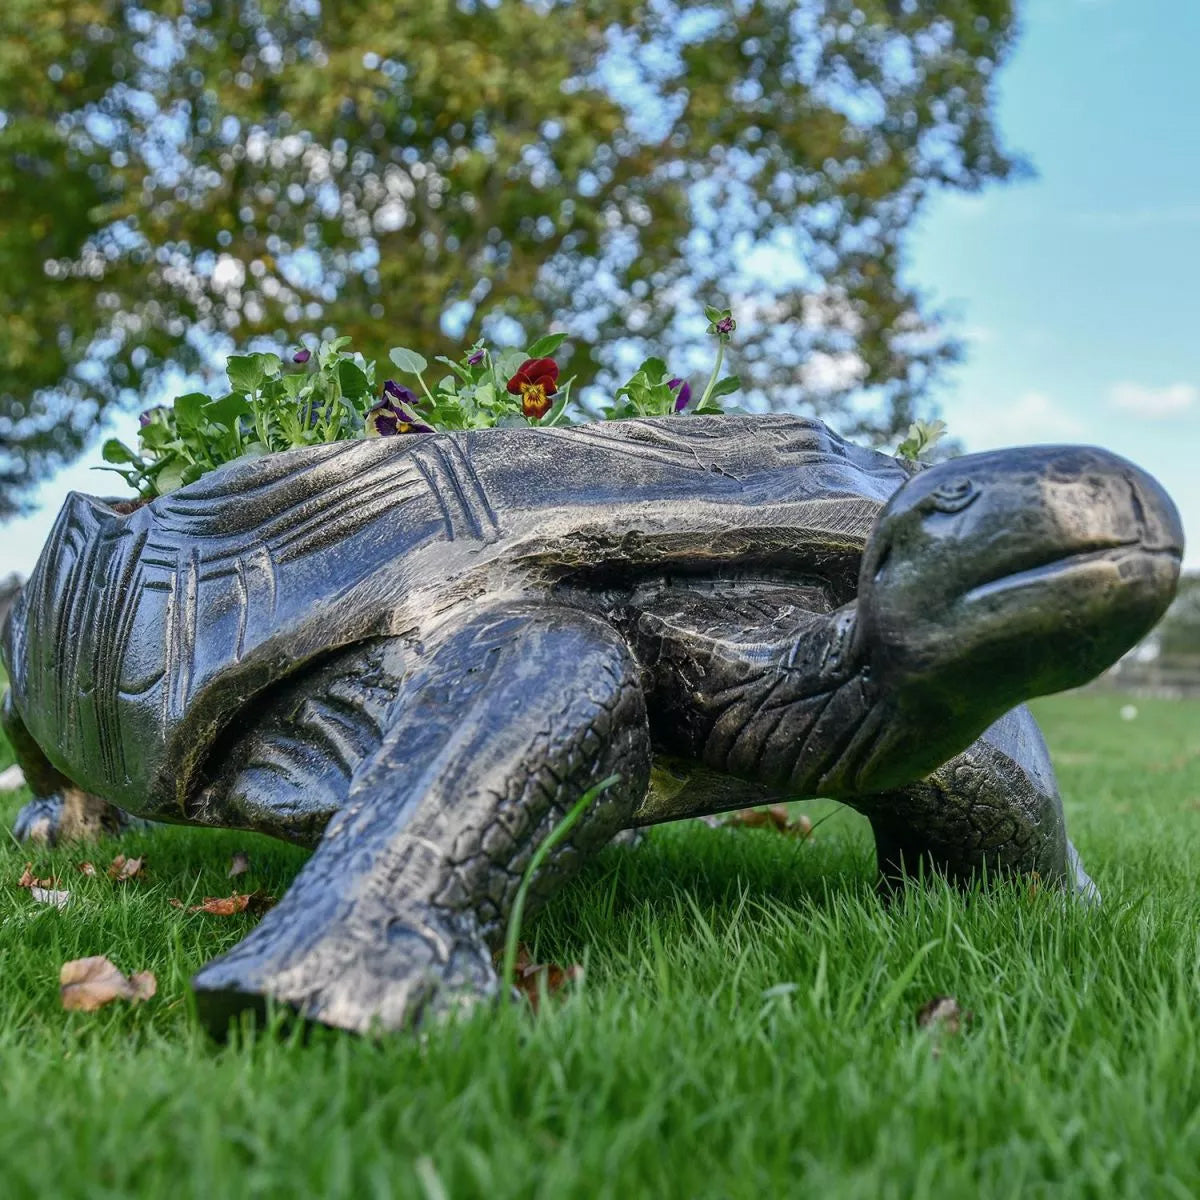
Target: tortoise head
[1016,573]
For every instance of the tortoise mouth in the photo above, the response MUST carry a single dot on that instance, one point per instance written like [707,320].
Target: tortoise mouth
[1127,557]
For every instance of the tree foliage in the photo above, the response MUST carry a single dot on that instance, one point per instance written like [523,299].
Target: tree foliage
[203,174]
[1179,632]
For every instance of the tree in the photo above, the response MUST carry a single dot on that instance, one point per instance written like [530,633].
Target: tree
[1179,632]
[244,171]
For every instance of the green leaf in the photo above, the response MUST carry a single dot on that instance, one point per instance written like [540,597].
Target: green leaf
[546,345]
[408,360]
[352,380]
[294,384]
[170,477]
[554,416]
[507,364]
[715,314]
[115,451]
[188,409]
[654,370]
[726,386]
[461,372]
[155,436]
[226,410]
[246,371]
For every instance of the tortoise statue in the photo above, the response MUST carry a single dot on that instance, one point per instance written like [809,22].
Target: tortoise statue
[417,653]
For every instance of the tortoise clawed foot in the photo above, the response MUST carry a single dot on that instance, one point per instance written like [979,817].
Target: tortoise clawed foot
[39,821]
[70,815]
[420,970]
[1078,880]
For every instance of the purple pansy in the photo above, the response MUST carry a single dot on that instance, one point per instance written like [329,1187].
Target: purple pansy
[301,355]
[726,325]
[684,395]
[476,358]
[398,394]
[145,418]
[389,418]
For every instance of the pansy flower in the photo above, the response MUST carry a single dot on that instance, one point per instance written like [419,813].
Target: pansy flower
[387,420]
[401,396]
[302,355]
[476,358]
[683,393]
[393,414]
[535,382]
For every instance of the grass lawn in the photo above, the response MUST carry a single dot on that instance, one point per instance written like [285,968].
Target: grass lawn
[747,1026]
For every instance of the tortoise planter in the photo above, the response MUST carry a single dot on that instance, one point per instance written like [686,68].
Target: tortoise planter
[416,653]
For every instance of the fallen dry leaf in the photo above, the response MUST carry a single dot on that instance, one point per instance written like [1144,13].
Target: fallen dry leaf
[122,868]
[942,1014]
[175,902]
[226,906]
[86,984]
[30,880]
[142,985]
[774,817]
[533,979]
[87,868]
[239,864]
[49,896]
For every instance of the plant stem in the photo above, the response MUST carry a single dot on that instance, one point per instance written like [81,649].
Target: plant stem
[428,394]
[712,379]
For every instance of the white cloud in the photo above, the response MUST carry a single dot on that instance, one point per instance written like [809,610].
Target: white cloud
[1033,417]
[1151,402]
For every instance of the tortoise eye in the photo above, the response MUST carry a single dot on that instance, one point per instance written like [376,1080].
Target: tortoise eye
[954,496]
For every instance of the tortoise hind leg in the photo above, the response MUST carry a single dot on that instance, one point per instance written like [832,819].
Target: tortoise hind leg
[501,725]
[994,808]
[59,811]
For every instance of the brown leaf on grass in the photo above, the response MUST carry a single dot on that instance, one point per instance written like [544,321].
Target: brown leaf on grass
[226,906]
[775,817]
[533,980]
[175,902]
[239,864]
[86,984]
[30,880]
[122,868]
[142,985]
[50,896]
[942,1015]
[87,868]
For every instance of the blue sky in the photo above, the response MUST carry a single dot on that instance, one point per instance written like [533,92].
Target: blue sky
[1076,291]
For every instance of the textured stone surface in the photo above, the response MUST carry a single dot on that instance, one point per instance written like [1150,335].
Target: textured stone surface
[416,653]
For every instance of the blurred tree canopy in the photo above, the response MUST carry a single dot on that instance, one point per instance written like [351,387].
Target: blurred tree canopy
[1179,632]
[196,174]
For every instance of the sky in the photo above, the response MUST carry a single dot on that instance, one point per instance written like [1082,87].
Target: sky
[1076,291]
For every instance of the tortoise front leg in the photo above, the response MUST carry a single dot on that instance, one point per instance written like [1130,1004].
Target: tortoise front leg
[496,731]
[993,809]
[59,811]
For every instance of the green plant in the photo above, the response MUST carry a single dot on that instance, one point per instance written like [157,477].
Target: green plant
[332,395]
[512,932]
[922,436]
